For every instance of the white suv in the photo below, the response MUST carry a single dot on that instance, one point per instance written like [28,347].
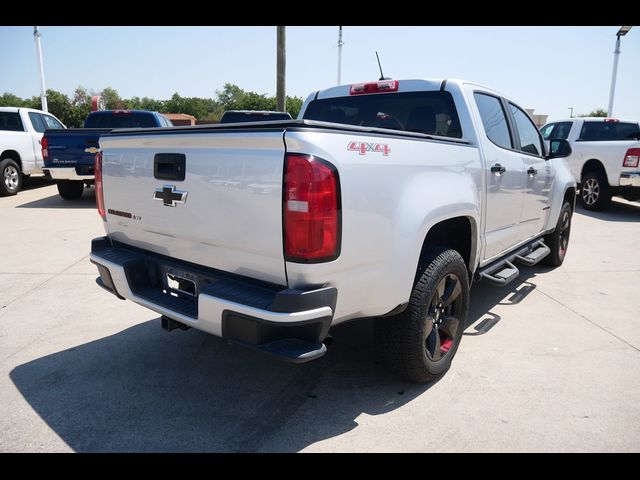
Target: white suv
[604,158]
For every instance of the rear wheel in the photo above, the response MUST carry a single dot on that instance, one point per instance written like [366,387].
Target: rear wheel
[420,343]
[594,191]
[558,241]
[70,189]
[10,177]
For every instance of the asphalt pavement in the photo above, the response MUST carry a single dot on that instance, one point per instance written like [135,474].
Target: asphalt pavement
[549,363]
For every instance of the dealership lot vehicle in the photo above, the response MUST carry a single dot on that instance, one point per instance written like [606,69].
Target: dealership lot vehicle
[69,154]
[386,199]
[604,159]
[21,130]
[82,372]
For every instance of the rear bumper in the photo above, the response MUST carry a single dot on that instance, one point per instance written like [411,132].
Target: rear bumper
[69,173]
[630,179]
[290,324]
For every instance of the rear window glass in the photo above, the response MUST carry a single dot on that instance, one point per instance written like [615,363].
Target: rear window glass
[603,131]
[433,113]
[239,117]
[11,121]
[121,120]
[37,122]
[51,122]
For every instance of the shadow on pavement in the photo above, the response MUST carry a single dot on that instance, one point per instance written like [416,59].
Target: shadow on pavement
[88,200]
[615,212]
[143,389]
[34,182]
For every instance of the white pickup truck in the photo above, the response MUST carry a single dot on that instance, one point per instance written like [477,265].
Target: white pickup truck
[384,199]
[604,157]
[21,130]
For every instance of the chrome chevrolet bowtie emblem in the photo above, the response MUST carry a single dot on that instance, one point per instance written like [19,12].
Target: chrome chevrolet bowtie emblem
[169,196]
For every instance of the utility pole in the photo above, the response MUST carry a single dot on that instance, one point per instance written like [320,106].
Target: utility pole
[571,115]
[43,90]
[340,44]
[281,65]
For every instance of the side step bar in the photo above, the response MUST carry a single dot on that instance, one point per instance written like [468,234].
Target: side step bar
[503,271]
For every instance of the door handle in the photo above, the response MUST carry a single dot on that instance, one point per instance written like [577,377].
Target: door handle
[497,168]
[532,171]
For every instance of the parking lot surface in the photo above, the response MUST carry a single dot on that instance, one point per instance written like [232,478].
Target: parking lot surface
[549,363]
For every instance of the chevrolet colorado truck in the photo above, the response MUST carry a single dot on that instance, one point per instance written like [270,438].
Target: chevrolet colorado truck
[604,157]
[21,131]
[386,199]
[69,154]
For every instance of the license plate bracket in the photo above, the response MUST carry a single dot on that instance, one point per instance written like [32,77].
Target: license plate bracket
[180,283]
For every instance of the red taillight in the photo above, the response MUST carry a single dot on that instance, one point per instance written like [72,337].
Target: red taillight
[374,87]
[631,157]
[311,210]
[97,172]
[44,144]
[611,120]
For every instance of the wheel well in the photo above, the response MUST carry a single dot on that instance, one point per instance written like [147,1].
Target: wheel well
[592,165]
[570,196]
[12,154]
[455,233]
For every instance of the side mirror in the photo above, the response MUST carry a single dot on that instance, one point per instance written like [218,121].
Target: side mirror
[559,148]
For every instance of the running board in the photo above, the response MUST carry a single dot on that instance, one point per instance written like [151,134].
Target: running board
[534,256]
[503,271]
[503,276]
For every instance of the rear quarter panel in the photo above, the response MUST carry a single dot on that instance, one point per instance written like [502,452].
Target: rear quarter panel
[389,203]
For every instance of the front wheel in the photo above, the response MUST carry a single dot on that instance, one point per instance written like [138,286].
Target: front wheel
[420,343]
[10,177]
[558,241]
[70,189]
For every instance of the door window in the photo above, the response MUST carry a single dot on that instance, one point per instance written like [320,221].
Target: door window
[527,132]
[494,120]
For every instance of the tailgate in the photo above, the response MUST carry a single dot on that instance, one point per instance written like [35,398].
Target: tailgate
[227,211]
[68,148]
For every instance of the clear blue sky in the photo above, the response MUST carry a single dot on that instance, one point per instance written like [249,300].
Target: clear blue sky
[546,68]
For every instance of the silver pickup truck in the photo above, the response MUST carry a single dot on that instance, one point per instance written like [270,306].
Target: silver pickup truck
[384,199]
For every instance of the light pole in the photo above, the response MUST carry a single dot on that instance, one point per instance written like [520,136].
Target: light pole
[571,114]
[340,44]
[616,53]
[43,90]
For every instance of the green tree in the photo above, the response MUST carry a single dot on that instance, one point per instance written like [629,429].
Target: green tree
[59,105]
[294,104]
[112,99]
[598,112]
[10,100]
[80,107]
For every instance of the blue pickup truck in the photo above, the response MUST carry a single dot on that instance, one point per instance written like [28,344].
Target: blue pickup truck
[69,154]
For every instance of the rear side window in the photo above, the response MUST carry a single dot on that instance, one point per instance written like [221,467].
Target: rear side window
[556,131]
[120,120]
[494,120]
[433,113]
[11,121]
[609,131]
[527,132]
[51,122]
[37,122]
